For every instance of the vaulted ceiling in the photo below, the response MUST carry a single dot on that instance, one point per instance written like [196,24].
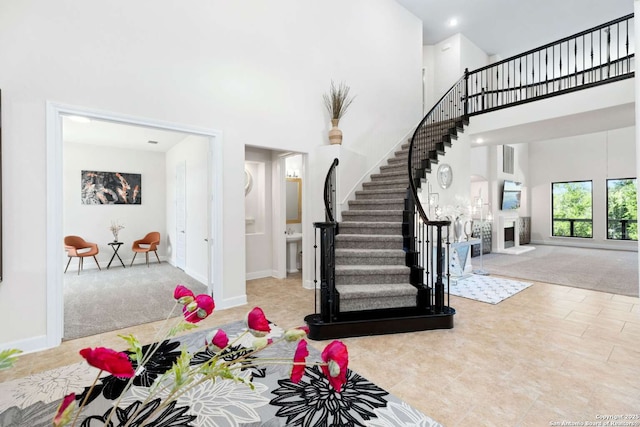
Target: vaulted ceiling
[509,27]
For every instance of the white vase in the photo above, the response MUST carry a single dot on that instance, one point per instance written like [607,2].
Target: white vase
[458,229]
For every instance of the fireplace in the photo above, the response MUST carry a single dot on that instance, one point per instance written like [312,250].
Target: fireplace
[509,236]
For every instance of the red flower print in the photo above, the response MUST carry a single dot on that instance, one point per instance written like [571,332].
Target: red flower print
[217,339]
[198,309]
[296,334]
[257,322]
[337,359]
[300,356]
[105,359]
[183,295]
[63,416]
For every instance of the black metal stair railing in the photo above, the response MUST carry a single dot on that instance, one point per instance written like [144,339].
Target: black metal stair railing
[329,297]
[426,241]
[596,56]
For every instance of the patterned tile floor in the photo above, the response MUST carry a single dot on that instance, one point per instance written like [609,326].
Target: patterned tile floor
[546,354]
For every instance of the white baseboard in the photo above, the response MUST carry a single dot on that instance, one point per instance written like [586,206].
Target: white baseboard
[258,274]
[308,284]
[584,243]
[29,345]
[231,302]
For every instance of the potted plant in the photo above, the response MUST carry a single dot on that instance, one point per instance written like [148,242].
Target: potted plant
[337,102]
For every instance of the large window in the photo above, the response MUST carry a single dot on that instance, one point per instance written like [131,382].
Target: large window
[622,208]
[572,208]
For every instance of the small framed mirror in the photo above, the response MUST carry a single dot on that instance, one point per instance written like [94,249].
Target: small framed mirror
[294,200]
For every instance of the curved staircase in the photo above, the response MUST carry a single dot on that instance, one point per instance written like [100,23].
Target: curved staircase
[383,268]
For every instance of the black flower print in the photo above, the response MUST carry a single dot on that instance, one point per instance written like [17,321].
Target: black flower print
[133,415]
[313,402]
[229,355]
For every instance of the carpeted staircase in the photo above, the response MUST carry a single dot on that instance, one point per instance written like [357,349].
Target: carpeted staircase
[370,262]
[371,271]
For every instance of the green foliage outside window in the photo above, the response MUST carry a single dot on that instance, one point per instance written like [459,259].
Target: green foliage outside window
[572,209]
[622,209]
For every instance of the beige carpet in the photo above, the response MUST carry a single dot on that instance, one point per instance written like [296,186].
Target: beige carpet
[98,301]
[597,269]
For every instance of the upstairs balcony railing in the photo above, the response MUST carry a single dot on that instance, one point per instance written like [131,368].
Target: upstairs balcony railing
[596,56]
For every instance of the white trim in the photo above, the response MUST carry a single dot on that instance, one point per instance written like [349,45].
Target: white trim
[260,274]
[376,167]
[29,345]
[216,253]
[55,111]
[231,302]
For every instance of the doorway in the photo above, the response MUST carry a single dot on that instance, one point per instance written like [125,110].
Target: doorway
[56,113]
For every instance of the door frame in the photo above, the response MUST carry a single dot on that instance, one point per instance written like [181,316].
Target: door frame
[55,148]
[181,211]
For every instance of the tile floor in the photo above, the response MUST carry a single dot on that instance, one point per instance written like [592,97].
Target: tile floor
[548,354]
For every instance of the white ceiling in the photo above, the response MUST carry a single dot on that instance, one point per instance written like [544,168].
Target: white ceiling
[118,135]
[509,27]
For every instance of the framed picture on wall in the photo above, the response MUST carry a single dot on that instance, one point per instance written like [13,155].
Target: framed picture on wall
[111,188]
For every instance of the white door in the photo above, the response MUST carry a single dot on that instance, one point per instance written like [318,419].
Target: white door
[181,216]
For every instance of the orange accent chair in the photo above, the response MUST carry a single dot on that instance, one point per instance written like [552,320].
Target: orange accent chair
[76,246]
[147,244]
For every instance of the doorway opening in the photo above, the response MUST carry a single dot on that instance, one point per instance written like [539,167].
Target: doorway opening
[62,193]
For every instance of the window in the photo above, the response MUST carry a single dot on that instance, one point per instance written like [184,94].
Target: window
[572,207]
[622,208]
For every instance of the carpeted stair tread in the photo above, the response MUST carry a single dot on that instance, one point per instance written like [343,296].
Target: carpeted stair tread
[394,194]
[376,290]
[390,175]
[373,252]
[367,238]
[374,257]
[387,184]
[364,215]
[376,203]
[375,296]
[361,227]
[368,269]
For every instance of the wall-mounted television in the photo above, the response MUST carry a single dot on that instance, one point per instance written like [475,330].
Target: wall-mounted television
[511,194]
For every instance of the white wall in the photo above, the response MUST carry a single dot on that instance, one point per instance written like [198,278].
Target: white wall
[92,222]
[446,62]
[596,157]
[192,152]
[251,69]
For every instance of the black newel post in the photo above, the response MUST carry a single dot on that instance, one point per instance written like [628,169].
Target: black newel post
[439,286]
[328,295]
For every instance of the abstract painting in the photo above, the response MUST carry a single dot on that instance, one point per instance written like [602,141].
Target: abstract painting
[111,188]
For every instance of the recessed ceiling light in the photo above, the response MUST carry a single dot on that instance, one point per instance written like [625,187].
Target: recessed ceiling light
[453,22]
[479,141]
[79,119]
[152,142]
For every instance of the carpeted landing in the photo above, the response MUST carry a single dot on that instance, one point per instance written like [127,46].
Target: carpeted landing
[601,270]
[99,301]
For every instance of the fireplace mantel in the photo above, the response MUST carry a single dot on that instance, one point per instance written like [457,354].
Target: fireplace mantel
[507,219]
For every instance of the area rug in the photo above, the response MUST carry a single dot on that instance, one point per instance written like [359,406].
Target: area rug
[487,289]
[603,270]
[274,401]
[98,301]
